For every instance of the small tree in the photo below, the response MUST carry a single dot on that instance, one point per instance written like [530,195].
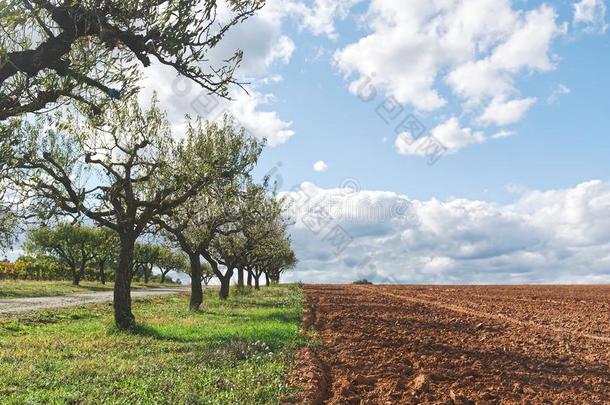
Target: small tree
[170,260]
[146,257]
[282,259]
[107,251]
[8,221]
[52,50]
[257,211]
[207,274]
[72,245]
[272,254]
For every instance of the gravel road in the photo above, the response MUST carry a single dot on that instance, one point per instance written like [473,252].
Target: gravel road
[23,305]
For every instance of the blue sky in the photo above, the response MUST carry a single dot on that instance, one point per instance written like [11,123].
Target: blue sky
[521,208]
[515,91]
[556,145]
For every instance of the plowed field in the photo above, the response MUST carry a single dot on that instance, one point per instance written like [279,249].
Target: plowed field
[445,345]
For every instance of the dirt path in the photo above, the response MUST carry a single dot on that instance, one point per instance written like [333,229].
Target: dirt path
[22,305]
[403,345]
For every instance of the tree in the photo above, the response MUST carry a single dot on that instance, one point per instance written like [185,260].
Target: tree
[207,274]
[271,253]
[53,51]
[282,258]
[146,257]
[256,210]
[7,228]
[42,267]
[170,260]
[122,172]
[194,225]
[106,252]
[72,245]
[8,221]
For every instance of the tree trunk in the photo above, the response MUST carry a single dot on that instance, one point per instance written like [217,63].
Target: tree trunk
[225,284]
[256,282]
[146,274]
[123,317]
[163,274]
[81,271]
[75,276]
[267,282]
[240,278]
[102,267]
[196,290]
[249,278]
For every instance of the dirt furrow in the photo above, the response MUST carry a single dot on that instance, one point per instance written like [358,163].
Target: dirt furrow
[430,300]
[379,347]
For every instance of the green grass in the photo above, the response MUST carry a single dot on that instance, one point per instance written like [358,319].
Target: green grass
[233,352]
[29,288]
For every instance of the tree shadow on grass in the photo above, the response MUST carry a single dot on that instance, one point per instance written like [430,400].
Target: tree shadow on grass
[275,338]
[282,317]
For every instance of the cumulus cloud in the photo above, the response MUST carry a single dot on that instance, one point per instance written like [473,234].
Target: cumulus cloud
[320,166]
[559,236]
[262,52]
[591,14]
[501,112]
[449,133]
[319,17]
[180,96]
[483,44]
[478,48]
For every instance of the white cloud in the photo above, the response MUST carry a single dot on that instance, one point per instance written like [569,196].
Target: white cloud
[545,236]
[320,166]
[501,112]
[560,90]
[479,48]
[180,96]
[262,124]
[591,14]
[319,18]
[503,134]
[450,134]
[483,44]
[262,52]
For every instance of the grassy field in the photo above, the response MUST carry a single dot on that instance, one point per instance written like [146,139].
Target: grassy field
[27,288]
[233,352]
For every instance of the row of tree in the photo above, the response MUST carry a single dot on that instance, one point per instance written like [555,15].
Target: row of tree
[130,176]
[92,155]
[78,252]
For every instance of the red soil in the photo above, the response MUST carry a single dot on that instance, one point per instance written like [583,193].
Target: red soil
[457,345]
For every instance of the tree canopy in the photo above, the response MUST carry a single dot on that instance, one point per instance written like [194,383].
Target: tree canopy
[90,51]
[117,166]
[124,171]
[71,245]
